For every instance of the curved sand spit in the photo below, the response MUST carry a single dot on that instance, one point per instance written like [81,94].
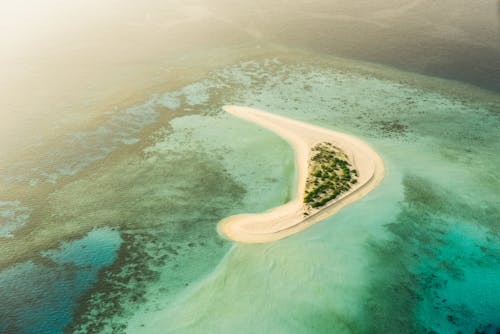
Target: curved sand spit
[289,218]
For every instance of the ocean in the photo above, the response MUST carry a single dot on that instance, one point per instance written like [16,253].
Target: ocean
[108,217]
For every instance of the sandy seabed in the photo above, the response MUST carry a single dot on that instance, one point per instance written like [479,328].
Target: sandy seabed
[288,219]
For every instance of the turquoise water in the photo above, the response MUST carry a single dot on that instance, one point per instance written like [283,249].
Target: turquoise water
[38,296]
[420,253]
[373,267]
[414,256]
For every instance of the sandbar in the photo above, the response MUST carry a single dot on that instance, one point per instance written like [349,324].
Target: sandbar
[289,218]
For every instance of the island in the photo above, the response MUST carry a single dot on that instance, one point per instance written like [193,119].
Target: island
[334,169]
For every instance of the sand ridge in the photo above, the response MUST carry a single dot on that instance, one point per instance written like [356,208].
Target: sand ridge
[288,219]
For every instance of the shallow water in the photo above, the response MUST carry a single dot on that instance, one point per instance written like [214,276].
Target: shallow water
[416,255]
[406,258]
[142,255]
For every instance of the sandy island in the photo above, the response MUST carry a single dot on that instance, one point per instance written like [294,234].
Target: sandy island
[287,219]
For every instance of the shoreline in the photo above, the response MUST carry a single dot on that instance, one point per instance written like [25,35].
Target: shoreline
[287,219]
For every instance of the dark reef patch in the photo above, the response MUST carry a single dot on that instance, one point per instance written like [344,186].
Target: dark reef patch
[427,257]
[158,237]
[393,128]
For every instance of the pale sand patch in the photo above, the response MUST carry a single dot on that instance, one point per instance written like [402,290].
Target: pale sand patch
[289,218]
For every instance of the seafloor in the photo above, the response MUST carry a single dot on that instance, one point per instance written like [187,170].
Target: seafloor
[128,242]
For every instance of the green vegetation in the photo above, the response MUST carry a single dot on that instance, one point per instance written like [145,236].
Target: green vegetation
[331,175]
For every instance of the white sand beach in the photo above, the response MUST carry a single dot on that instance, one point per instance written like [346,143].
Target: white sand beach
[289,218]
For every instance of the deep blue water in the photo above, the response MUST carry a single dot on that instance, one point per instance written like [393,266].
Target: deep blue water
[39,296]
